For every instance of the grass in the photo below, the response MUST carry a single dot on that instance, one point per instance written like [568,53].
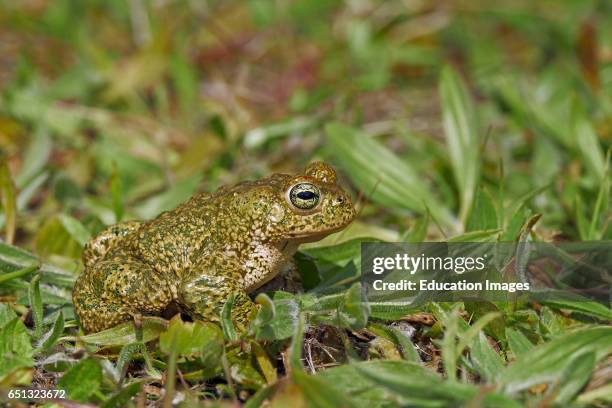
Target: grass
[459,121]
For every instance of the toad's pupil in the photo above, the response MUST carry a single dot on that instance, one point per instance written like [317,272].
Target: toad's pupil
[306,195]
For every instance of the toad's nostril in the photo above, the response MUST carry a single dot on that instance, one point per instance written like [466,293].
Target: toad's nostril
[340,200]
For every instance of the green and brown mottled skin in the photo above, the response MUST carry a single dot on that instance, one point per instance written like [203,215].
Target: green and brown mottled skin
[231,241]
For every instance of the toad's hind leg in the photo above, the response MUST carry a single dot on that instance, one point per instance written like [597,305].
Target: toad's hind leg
[204,292]
[117,288]
[96,248]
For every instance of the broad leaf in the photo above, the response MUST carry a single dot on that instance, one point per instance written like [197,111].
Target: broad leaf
[82,380]
[15,348]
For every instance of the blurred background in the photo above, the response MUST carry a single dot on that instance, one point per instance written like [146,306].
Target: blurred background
[447,121]
[445,118]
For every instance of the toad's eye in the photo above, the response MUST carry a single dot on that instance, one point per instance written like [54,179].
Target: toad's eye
[304,196]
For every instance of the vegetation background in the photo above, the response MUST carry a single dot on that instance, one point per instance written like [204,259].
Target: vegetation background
[462,120]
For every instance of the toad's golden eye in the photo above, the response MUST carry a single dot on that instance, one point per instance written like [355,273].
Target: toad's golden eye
[304,196]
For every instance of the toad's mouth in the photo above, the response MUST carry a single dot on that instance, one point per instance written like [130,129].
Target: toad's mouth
[312,236]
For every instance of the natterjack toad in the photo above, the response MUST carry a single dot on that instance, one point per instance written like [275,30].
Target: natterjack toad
[216,244]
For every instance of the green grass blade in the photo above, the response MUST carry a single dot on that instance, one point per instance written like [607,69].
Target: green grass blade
[517,342]
[406,346]
[5,277]
[448,346]
[588,143]
[49,339]
[418,232]
[462,136]
[378,172]
[229,332]
[594,309]
[75,229]
[487,361]
[581,220]
[603,394]
[470,334]
[476,236]
[546,362]
[421,387]
[126,355]
[35,158]
[601,204]
[483,215]
[295,350]
[574,378]
[8,197]
[116,190]
[36,305]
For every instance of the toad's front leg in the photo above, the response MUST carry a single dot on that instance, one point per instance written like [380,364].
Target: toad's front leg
[288,280]
[206,289]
